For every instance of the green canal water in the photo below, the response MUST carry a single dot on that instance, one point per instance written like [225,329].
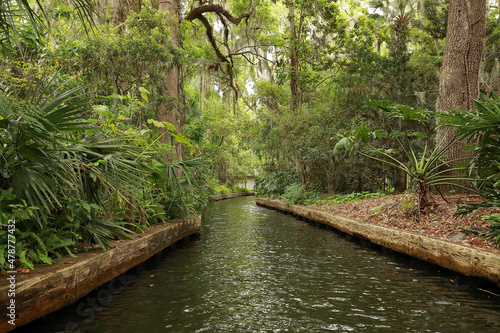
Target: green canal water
[256,270]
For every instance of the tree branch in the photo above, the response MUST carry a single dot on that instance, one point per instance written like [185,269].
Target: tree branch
[199,11]
[223,14]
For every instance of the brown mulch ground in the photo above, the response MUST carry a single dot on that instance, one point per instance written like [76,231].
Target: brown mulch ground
[399,212]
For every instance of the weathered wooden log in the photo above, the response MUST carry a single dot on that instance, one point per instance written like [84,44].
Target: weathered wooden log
[459,258]
[230,196]
[50,288]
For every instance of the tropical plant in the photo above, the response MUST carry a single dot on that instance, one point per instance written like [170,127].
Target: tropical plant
[39,247]
[481,127]
[295,193]
[424,168]
[16,11]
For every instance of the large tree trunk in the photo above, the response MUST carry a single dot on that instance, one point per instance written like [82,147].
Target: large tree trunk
[459,83]
[294,61]
[170,111]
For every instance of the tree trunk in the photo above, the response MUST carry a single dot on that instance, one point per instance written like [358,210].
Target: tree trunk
[171,111]
[201,92]
[294,61]
[459,83]
[399,182]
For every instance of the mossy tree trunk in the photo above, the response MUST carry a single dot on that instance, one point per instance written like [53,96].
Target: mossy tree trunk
[459,83]
[169,108]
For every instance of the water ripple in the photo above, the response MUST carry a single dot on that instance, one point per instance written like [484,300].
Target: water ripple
[256,270]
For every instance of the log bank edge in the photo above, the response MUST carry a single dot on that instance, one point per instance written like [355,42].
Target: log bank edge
[459,258]
[230,196]
[37,295]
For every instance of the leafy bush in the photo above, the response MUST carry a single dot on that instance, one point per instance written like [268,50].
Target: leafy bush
[424,169]
[481,127]
[295,193]
[221,189]
[89,182]
[239,189]
[40,247]
[274,183]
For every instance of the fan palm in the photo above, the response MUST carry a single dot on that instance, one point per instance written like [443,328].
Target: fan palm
[12,11]
[481,127]
[45,165]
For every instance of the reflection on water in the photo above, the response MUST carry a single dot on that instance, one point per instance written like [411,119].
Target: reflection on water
[256,270]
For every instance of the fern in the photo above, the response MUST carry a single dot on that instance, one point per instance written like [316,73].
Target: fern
[38,248]
[37,239]
[27,263]
[494,234]
[44,258]
[3,256]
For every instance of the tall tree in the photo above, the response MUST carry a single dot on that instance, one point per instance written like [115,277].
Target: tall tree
[459,83]
[294,61]
[169,107]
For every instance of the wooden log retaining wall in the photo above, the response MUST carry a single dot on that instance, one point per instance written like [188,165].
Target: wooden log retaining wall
[69,279]
[230,196]
[463,259]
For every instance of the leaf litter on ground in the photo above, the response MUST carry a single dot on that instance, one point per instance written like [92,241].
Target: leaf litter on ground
[441,222]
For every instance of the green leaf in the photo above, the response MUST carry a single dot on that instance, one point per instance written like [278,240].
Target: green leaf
[362,132]
[44,258]
[143,90]
[157,166]
[421,166]
[344,143]
[7,194]
[170,126]
[156,123]
[86,206]
[181,139]
[25,261]
[2,256]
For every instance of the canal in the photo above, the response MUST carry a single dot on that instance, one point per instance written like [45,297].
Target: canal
[256,270]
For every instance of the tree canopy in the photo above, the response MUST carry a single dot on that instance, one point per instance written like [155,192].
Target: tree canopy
[116,114]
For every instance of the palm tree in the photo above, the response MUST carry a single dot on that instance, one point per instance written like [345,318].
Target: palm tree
[12,11]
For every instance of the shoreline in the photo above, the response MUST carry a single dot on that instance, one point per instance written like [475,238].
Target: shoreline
[219,197]
[51,287]
[459,258]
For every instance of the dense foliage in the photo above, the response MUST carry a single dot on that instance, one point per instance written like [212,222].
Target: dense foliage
[114,116]
[481,128]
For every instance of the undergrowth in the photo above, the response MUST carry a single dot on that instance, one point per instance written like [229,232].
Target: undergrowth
[338,199]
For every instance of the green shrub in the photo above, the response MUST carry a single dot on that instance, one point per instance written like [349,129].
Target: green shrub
[221,189]
[239,189]
[423,168]
[89,182]
[481,127]
[35,248]
[295,193]
[274,183]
